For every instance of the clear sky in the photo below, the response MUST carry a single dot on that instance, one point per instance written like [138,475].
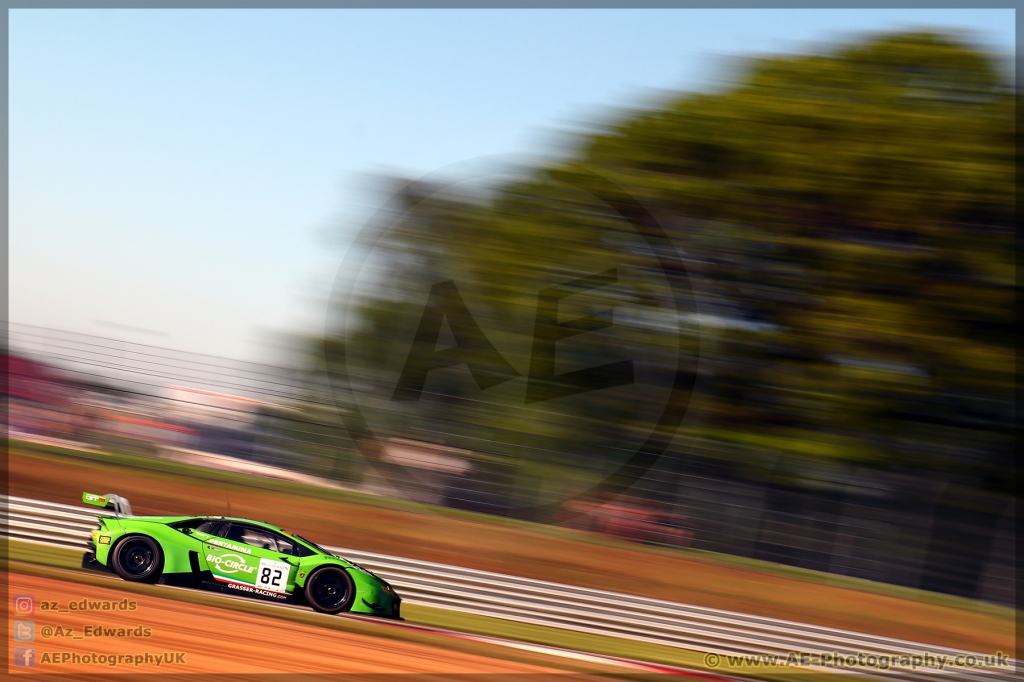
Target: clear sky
[176,176]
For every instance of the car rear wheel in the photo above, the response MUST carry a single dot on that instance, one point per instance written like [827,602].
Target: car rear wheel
[138,558]
[330,590]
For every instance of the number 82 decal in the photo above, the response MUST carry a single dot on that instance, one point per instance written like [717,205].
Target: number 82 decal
[273,575]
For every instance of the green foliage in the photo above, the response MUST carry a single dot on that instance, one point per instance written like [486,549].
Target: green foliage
[847,221]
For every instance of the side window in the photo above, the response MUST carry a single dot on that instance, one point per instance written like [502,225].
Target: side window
[301,550]
[187,525]
[212,527]
[289,546]
[254,537]
[284,545]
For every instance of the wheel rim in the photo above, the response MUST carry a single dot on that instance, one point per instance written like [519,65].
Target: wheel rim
[330,589]
[137,558]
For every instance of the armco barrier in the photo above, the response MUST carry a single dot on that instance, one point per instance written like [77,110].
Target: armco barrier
[565,606]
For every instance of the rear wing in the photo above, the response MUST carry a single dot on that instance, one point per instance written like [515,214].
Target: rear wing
[118,504]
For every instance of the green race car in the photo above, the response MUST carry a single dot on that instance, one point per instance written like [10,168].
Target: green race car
[238,556]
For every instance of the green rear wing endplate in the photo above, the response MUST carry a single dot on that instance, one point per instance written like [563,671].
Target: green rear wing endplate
[118,504]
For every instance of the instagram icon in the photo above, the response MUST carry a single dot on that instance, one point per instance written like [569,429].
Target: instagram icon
[23,604]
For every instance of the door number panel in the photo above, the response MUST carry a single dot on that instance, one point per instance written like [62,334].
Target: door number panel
[273,575]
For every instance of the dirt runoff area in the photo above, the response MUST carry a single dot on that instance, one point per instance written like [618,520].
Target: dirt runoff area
[82,629]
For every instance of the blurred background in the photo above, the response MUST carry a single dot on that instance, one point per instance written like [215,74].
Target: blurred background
[839,317]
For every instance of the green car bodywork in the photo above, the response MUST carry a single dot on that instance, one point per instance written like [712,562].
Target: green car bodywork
[234,555]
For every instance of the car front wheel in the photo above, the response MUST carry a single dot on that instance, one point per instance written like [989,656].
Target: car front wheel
[330,590]
[138,558]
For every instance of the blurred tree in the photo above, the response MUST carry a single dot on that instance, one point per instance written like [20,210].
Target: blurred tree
[847,221]
[856,208]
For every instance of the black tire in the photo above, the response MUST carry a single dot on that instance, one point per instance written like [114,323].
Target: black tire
[138,558]
[330,590]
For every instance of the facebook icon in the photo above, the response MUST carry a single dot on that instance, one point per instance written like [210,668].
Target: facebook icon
[24,656]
